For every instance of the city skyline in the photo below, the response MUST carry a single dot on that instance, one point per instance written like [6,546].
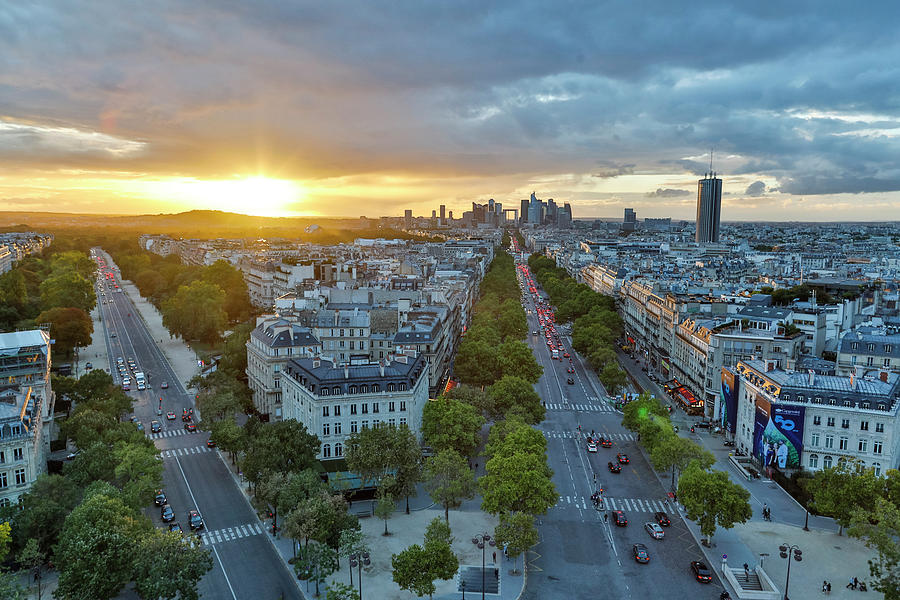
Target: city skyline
[156,110]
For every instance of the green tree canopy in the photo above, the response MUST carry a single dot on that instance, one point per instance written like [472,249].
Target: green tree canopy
[519,482]
[839,490]
[477,363]
[517,360]
[637,412]
[449,480]
[237,299]
[712,500]
[452,424]
[167,565]
[68,288]
[44,510]
[516,531]
[511,392]
[877,524]
[196,312]
[282,446]
[70,327]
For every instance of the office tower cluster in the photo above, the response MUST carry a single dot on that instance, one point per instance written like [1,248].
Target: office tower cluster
[709,208]
[537,212]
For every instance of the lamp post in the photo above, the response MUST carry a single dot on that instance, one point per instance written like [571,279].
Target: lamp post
[482,540]
[806,522]
[358,559]
[789,551]
[463,586]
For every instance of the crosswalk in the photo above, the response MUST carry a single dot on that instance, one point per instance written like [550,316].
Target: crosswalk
[598,407]
[184,451]
[621,437]
[227,534]
[167,433]
[610,503]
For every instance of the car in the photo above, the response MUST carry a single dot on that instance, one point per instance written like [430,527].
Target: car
[155,426]
[570,380]
[195,521]
[655,531]
[140,426]
[120,361]
[565,355]
[703,424]
[170,415]
[622,458]
[164,385]
[662,518]
[619,518]
[190,426]
[210,443]
[187,414]
[113,334]
[613,467]
[606,442]
[591,447]
[176,527]
[570,370]
[534,333]
[126,386]
[640,553]
[701,571]
[166,513]
[160,498]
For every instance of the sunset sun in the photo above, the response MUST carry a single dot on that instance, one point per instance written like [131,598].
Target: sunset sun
[256,196]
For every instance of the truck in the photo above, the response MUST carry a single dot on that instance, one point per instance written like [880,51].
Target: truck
[140,380]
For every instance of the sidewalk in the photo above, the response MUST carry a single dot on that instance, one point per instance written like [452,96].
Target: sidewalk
[405,530]
[96,352]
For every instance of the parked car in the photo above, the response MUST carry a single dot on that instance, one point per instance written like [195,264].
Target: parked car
[166,513]
[195,521]
[160,498]
[176,527]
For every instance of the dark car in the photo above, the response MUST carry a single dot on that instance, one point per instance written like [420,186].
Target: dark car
[701,571]
[166,513]
[703,424]
[662,518]
[160,498]
[622,458]
[155,426]
[613,467]
[570,381]
[606,442]
[619,518]
[640,553]
[570,370]
[190,426]
[176,527]
[187,414]
[210,443]
[195,521]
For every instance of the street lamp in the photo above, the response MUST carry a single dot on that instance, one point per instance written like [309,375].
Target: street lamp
[806,522]
[786,552]
[482,540]
[358,559]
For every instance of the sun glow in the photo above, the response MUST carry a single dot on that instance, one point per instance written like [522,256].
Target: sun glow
[256,196]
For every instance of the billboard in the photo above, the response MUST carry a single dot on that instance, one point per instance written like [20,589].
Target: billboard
[729,399]
[778,434]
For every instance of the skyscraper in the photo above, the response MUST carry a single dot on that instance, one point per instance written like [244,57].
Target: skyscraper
[709,208]
[630,221]
[443,220]
[523,211]
[407,218]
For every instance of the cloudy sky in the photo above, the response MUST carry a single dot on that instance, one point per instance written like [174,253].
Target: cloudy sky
[350,108]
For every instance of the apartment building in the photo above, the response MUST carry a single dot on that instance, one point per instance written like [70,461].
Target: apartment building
[868,348]
[793,419]
[334,401]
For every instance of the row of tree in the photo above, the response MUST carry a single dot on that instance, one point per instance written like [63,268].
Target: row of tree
[596,325]
[197,303]
[88,520]
[709,496]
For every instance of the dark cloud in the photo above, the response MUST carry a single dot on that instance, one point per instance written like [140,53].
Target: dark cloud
[821,184]
[668,193]
[609,170]
[756,189]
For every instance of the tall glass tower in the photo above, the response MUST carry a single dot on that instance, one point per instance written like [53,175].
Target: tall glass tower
[709,208]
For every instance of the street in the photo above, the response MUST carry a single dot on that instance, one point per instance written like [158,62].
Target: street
[245,564]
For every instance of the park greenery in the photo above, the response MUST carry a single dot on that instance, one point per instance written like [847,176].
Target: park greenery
[595,323]
[417,567]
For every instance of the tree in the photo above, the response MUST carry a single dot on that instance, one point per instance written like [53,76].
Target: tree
[228,436]
[237,299]
[635,413]
[613,378]
[416,568]
[282,446]
[511,392]
[35,561]
[837,491]
[70,327]
[878,526]
[516,533]
[96,548]
[513,435]
[477,363]
[196,312]
[517,359]
[13,292]
[474,396]
[451,424]
[168,565]
[438,531]
[68,289]
[512,322]
[712,500]
[138,472]
[9,586]
[352,541]
[44,510]
[449,480]
[316,561]
[518,482]
[341,591]
[384,508]
[376,451]
[675,452]
[269,489]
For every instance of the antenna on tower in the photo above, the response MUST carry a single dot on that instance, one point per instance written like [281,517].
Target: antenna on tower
[710,159]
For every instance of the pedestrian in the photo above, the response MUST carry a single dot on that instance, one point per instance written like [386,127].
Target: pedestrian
[605,517]
[852,583]
[828,588]
[746,570]
[824,586]
[855,583]
[495,557]
[476,466]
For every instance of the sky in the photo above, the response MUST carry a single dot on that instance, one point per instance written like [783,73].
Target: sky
[342,108]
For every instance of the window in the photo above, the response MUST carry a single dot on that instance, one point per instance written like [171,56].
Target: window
[342,333]
[888,348]
[338,450]
[353,427]
[324,391]
[402,405]
[336,391]
[886,362]
[352,345]
[827,462]
[864,426]
[814,440]
[813,461]
[20,476]
[870,361]
[324,411]
[876,447]
[870,347]
[352,409]
[326,429]
[402,387]
[352,389]
[879,428]
[375,406]
[842,445]
[364,389]
[376,388]
[337,410]
[365,424]
[17,454]
[4,502]
[3,482]
[2,457]
[877,468]
[402,421]
[830,422]
[845,423]
[392,406]
[863,445]
[342,343]
[854,345]
[326,451]
[390,387]
[16,429]
[337,429]
[817,420]
[365,408]
[392,422]
[829,441]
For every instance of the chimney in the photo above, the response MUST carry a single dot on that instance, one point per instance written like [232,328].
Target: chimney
[812,377]
[853,380]
[316,363]
[883,376]
[770,365]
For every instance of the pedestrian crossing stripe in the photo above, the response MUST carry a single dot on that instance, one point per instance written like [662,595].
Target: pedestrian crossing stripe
[622,437]
[168,433]
[184,451]
[625,504]
[230,533]
[582,407]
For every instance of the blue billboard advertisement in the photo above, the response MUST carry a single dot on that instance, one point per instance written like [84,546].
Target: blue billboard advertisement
[778,434]
[729,399]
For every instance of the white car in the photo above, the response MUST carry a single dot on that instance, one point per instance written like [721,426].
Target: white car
[591,447]
[655,531]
